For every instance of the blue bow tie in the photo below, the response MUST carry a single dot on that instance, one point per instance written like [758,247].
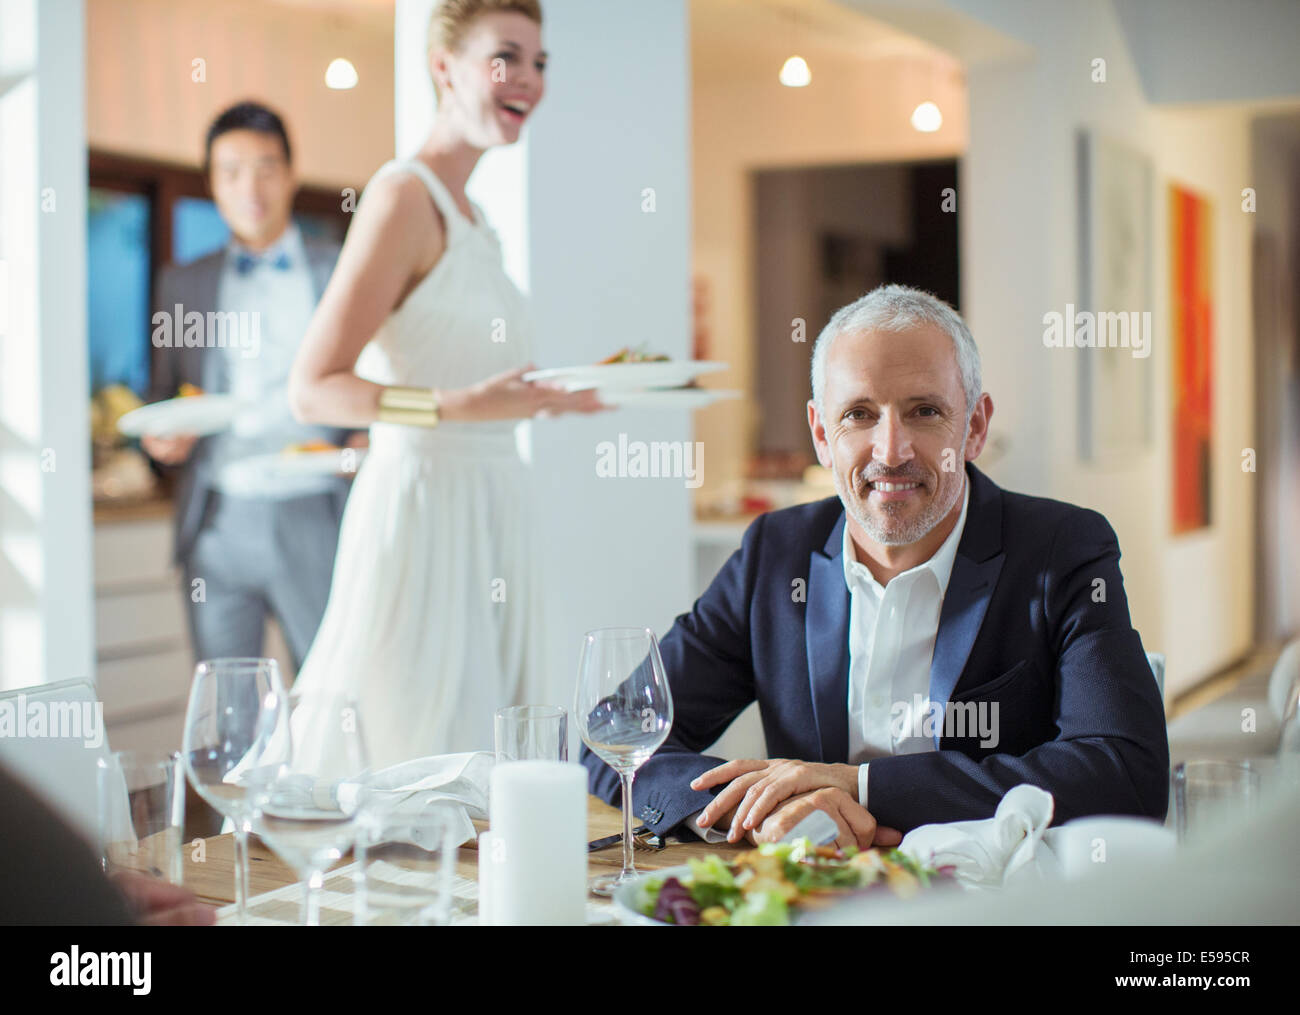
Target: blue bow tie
[244,263]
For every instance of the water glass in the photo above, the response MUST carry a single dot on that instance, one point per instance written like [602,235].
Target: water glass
[405,866]
[142,813]
[1206,791]
[532,733]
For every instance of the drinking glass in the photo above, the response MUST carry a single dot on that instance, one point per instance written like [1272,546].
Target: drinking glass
[624,712]
[532,733]
[405,865]
[236,707]
[1204,790]
[310,810]
[142,813]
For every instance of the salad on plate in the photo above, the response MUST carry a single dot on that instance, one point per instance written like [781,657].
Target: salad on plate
[769,885]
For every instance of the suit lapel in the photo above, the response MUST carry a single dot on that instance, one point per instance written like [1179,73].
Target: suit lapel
[975,573]
[826,634]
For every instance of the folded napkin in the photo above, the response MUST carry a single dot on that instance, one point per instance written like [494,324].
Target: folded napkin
[457,784]
[994,852]
[396,798]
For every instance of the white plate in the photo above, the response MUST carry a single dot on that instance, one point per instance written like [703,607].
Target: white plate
[624,895]
[264,469]
[665,398]
[665,374]
[199,415]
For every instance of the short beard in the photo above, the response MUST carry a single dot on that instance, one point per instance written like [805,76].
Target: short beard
[935,512]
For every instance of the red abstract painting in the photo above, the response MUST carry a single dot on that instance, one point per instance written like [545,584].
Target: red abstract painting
[1191,321]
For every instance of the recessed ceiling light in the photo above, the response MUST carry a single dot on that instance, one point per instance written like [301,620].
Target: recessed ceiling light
[926,118]
[795,73]
[341,74]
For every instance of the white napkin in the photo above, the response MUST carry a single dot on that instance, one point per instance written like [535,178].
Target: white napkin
[457,783]
[996,851]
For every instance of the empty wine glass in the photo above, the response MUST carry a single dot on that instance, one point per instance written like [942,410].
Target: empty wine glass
[309,815]
[235,708]
[624,712]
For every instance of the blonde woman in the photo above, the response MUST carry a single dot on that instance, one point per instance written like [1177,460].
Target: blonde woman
[432,618]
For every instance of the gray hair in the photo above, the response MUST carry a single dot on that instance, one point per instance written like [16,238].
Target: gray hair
[896,308]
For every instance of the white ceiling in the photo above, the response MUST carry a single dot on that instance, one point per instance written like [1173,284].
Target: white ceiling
[756,36]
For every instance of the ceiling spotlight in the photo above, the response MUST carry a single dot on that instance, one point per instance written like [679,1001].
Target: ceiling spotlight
[795,73]
[926,118]
[341,74]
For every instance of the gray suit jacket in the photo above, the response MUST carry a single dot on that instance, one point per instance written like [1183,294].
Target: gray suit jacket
[195,286]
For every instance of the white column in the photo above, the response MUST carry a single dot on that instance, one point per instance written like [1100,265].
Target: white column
[593,209]
[46,599]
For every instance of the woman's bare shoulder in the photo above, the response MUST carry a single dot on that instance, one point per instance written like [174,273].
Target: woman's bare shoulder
[398,208]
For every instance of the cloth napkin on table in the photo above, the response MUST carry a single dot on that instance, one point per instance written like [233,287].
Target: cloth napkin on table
[996,851]
[455,784]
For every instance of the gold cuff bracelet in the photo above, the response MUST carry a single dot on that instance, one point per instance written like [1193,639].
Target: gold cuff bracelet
[410,406]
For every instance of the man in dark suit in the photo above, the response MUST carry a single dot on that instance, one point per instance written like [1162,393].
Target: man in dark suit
[919,645]
[250,543]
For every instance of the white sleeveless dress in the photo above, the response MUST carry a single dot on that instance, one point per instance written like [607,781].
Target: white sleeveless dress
[433,615]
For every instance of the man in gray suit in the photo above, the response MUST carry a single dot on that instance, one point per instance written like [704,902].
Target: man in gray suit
[250,543]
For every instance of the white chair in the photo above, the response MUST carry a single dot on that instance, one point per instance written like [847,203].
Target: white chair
[59,760]
[1156,660]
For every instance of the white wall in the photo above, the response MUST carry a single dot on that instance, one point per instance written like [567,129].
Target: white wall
[142,99]
[46,619]
[1211,51]
[601,273]
[855,110]
[1190,597]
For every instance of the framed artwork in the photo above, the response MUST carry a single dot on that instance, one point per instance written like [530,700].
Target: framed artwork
[1191,325]
[1112,322]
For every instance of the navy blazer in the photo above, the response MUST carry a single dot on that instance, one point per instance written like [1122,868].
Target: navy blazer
[1034,619]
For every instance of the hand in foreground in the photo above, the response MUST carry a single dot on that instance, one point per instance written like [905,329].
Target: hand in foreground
[168,450]
[857,826]
[757,787]
[509,396]
[160,904]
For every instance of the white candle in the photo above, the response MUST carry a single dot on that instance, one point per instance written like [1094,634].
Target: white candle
[538,812]
[489,857]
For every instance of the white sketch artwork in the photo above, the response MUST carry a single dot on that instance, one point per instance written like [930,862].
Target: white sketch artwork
[1115,386]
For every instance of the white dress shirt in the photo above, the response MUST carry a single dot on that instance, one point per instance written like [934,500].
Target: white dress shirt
[892,629]
[278,303]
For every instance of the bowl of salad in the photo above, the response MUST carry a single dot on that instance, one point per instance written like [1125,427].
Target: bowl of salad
[771,885]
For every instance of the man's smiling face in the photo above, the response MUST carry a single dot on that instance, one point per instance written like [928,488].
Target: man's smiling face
[892,405]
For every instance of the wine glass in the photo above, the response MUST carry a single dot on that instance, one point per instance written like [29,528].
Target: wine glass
[234,711]
[309,816]
[624,711]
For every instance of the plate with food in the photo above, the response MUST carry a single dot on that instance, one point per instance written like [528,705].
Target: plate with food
[628,369]
[191,412]
[773,885]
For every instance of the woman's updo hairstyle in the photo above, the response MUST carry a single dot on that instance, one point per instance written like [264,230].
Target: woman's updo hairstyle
[452,18]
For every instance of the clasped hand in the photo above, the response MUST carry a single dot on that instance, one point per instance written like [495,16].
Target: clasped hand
[770,797]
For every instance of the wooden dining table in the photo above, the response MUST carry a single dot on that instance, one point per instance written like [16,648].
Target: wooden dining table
[209,869]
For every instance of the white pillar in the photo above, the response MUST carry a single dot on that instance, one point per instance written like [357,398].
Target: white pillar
[571,202]
[46,598]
